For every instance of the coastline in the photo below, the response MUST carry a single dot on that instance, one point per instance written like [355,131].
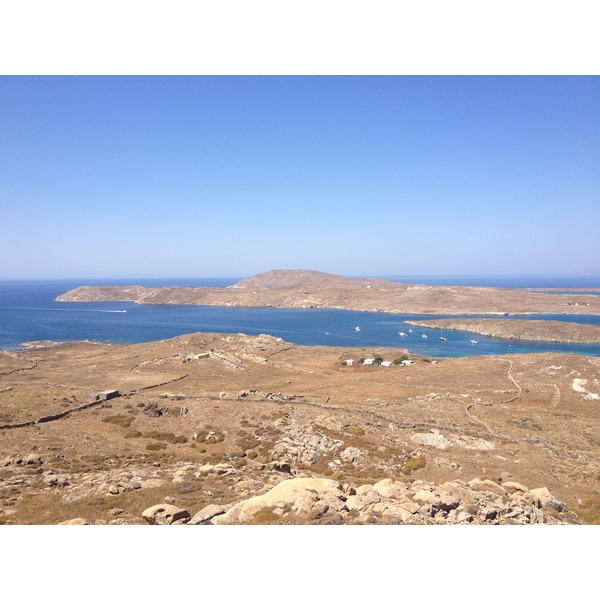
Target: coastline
[519,329]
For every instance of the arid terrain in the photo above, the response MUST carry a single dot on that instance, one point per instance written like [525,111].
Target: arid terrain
[212,428]
[313,289]
[520,329]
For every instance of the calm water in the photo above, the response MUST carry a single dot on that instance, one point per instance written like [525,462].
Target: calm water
[28,313]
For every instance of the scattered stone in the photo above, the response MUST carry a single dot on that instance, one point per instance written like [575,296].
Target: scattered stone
[302,500]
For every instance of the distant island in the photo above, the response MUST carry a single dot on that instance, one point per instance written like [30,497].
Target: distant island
[315,289]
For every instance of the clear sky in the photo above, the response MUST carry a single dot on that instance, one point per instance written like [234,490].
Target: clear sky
[204,176]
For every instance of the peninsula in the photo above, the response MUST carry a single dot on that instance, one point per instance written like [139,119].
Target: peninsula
[520,329]
[314,289]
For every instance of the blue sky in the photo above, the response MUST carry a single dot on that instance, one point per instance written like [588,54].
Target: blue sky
[203,176]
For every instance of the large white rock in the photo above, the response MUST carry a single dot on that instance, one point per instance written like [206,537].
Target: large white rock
[208,513]
[487,485]
[513,486]
[390,489]
[544,499]
[296,496]
[435,439]
[77,521]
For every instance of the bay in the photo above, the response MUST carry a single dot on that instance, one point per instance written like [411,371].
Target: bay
[29,313]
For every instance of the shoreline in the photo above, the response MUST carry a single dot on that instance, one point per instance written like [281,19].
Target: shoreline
[519,329]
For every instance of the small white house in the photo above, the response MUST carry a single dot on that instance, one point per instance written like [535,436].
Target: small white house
[369,361]
[349,362]
[386,363]
[407,362]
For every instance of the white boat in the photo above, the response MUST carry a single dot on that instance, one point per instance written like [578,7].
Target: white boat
[442,338]
[474,342]
[402,333]
[423,335]
[357,328]
[410,331]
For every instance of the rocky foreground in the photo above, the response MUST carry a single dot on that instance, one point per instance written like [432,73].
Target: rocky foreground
[313,289]
[216,429]
[325,501]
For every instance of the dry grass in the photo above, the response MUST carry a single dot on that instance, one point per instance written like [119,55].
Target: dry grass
[414,464]
[120,420]
[265,516]
[589,510]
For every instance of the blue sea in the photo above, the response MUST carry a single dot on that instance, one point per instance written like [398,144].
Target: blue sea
[29,313]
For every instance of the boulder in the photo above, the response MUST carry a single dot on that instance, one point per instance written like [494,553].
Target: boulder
[486,485]
[544,499]
[390,489]
[352,454]
[77,521]
[296,496]
[32,459]
[165,514]
[204,516]
[435,439]
[512,486]
[424,496]
[446,502]
[361,501]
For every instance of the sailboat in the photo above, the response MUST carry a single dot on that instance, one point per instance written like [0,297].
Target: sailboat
[441,336]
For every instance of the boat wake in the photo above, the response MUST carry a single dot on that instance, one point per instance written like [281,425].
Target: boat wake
[102,310]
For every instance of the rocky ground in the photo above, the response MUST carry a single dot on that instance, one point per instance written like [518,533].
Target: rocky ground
[217,429]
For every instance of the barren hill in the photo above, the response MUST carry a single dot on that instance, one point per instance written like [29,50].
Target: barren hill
[284,278]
